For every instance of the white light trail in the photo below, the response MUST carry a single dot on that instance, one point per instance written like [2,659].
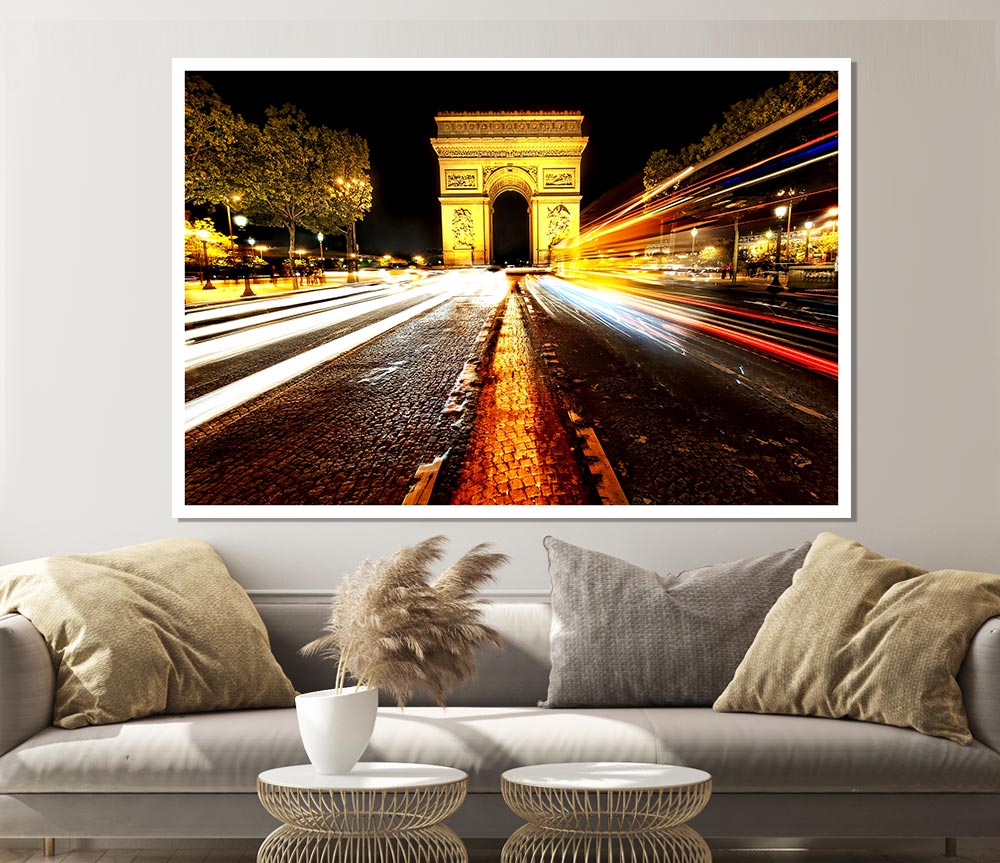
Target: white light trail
[240,342]
[210,405]
[269,317]
[225,310]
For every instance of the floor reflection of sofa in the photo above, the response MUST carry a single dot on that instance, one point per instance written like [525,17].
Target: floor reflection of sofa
[774,776]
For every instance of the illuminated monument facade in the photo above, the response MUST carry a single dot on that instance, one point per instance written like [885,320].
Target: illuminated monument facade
[481,156]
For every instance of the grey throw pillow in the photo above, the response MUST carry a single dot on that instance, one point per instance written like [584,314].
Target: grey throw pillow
[627,636]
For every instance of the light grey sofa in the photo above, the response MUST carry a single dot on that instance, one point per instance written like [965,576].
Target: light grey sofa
[774,776]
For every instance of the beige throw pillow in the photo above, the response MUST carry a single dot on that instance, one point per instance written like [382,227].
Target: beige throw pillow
[858,635]
[154,628]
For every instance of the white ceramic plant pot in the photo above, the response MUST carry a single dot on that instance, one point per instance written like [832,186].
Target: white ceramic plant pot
[336,727]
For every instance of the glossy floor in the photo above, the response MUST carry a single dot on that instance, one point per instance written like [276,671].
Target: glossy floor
[968,852]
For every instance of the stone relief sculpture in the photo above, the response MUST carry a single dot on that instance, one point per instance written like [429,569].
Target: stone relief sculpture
[558,225]
[463,228]
[558,178]
[454,180]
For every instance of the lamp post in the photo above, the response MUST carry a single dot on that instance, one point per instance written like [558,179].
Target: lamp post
[694,233]
[788,234]
[206,276]
[775,286]
[232,199]
[322,260]
[252,243]
[808,226]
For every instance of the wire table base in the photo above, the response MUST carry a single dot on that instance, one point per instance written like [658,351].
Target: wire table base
[534,844]
[438,844]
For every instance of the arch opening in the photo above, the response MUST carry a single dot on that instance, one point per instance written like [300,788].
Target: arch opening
[511,229]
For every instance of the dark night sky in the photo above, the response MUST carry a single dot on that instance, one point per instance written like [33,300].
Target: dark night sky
[628,115]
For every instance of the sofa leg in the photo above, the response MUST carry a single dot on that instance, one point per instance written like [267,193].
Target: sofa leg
[950,846]
[49,846]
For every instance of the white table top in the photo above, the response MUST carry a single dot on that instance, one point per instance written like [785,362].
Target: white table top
[605,775]
[366,775]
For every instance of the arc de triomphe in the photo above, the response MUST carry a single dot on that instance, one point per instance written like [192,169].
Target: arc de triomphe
[483,155]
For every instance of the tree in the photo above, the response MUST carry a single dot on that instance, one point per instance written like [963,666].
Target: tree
[289,171]
[216,245]
[212,135]
[740,120]
[349,196]
[826,244]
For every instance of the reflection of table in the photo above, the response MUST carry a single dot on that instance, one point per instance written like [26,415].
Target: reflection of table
[606,810]
[541,845]
[378,811]
[288,844]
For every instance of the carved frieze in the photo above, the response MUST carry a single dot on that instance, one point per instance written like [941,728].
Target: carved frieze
[495,127]
[515,149]
[460,180]
[559,178]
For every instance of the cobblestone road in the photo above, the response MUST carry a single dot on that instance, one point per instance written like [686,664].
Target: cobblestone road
[205,378]
[679,427]
[353,430]
[518,452]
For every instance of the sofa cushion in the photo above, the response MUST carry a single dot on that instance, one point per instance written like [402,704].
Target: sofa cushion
[224,752]
[747,753]
[862,636]
[154,628]
[627,636]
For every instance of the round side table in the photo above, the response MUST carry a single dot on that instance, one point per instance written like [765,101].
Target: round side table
[378,811]
[606,796]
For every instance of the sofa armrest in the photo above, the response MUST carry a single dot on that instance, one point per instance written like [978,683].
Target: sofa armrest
[27,681]
[979,679]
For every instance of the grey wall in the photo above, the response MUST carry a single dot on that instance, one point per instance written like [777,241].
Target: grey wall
[86,356]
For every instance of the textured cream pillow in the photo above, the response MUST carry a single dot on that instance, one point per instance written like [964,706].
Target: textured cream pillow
[154,628]
[858,635]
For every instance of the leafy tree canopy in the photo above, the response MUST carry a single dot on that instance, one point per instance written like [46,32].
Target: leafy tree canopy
[285,173]
[292,171]
[201,237]
[211,132]
[740,120]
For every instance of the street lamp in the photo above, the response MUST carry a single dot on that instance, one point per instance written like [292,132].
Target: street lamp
[241,221]
[252,243]
[808,226]
[694,233]
[234,199]
[203,235]
[775,285]
[322,260]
